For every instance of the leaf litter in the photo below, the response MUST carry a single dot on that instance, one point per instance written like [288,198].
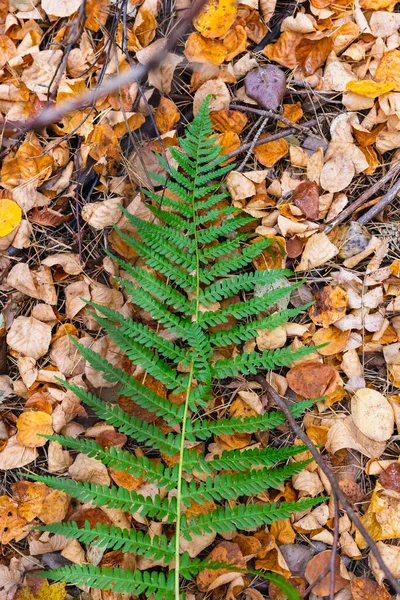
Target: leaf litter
[335,65]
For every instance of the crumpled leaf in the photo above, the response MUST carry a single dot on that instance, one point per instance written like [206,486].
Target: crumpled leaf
[35,284]
[215,18]
[318,251]
[167,115]
[12,525]
[372,414]
[391,557]
[89,469]
[283,51]
[330,305]
[29,337]
[266,85]
[45,591]
[345,434]
[388,70]
[225,552]
[102,214]
[366,589]
[311,54]
[310,379]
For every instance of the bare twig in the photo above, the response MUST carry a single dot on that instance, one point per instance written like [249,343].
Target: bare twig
[336,491]
[264,121]
[55,113]
[271,138]
[380,205]
[271,115]
[363,199]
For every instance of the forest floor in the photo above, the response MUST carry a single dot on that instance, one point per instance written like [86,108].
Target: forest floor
[306,101]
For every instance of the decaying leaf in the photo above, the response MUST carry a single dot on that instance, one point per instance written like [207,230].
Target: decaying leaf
[29,337]
[330,305]
[215,18]
[318,251]
[266,85]
[311,379]
[32,424]
[372,414]
[317,566]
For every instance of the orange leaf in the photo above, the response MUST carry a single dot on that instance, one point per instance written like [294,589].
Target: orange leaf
[389,68]
[216,18]
[235,42]
[283,51]
[378,4]
[311,54]
[293,112]
[145,27]
[7,50]
[96,14]
[203,50]
[367,589]
[228,141]
[28,164]
[330,305]
[12,525]
[335,338]
[167,115]
[317,566]
[228,120]
[311,379]
[225,552]
[269,153]
[30,424]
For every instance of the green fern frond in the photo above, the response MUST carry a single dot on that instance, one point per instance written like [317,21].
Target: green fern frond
[196,255]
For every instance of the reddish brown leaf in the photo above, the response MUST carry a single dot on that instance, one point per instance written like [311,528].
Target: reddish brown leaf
[306,197]
[367,589]
[310,379]
[311,54]
[225,552]
[294,247]
[390,478]
[317,565]
[47,217]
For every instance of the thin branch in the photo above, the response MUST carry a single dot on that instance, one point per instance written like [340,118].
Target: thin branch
[379,206]
[363,199]
[337,492]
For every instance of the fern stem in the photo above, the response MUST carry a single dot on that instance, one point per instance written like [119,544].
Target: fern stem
[188,390]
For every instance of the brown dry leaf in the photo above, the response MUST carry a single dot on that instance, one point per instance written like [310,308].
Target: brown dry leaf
[283,531]
[7,50]
[316,567]
[89,469]
[74,292]
[335,338]
[228,120]
[283,51]
[312,54]
[69,262]
[167,115]
[36,500]
[269,153]
[311,379]
[59,460]
[229,141]
[306,197]
[270,557]
[29,337]
[35,284]
[378,4]
[96,14]
[145,27]
[330,305]
[225,552]
[366,589]
[235,42]
[40,74]
[32,424]
[388,70]
[102,214]
[390,477]
[219,91]
[337,173]
[344,434]
[391,557]
[318,251]
[12,525]
[293,112]
[203,50]
[14,455]
[215,18]
[372,414]
[60,8]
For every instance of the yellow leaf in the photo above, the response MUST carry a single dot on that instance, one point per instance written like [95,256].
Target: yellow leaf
[216,18]
[388,70]
[30,424]
[10,216]
[56,591]
[371,89]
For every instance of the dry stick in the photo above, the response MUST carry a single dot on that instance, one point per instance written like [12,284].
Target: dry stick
[268,113]
[271,138]
[384,201]
[363,198]
[337,492]
[264,121]
[56,113]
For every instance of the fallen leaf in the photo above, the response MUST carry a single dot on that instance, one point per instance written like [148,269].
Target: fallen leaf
[235,42]
[30,425]
[330,305]
[372,414]
[335,338]
[228,120]
[317,566]
[89,469]
[318,251]
[388,70]
[10,216]
[225,552]
[69,262]
[60,8]
[266,85]
[204,50]
[391,557]
[15,455]
[337,173]
[312,54]
[369,88]
[366,589]
[345,434]
[59,460]
[215,18]
[102,214]
[310,379]
[378,4]
[35,284]
[220,99]
[284,50]
[43,591]
[145,26]
[167,115]
[12,526]
[306,197]
[29,337]
[269,153]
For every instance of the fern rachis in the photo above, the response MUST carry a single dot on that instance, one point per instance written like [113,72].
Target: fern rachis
[194,262]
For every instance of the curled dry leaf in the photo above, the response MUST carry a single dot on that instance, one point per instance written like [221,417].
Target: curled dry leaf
[60,8]
[29,337]
[366,589]
[15,455]
[391,557]
[225,552]
[32,424]
[102,214]
[35,284]
[372,414]
[344,434]
[311,54]
[306,197]
[283,51]
[318,251]
[220,99]
[89,469]
[69,262]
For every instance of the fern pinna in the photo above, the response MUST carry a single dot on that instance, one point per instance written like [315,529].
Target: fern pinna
[195,258]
